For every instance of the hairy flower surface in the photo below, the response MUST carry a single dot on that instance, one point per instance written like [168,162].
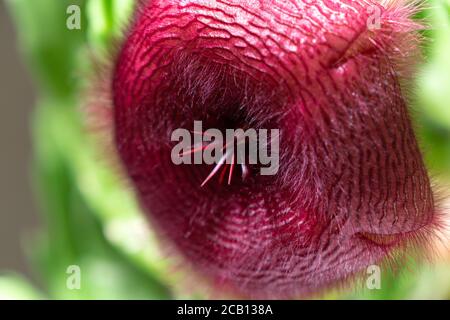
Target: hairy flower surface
[351,185]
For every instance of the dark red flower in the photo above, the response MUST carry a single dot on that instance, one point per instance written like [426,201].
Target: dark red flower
[351,186]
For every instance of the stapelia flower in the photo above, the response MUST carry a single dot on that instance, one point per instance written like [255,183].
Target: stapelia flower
[351,186]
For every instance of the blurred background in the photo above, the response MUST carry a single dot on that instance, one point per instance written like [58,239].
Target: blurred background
[63,210]
[18,214]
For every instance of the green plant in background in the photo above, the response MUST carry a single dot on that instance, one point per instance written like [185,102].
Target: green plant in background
[86,208]
[92,220]
[434,91]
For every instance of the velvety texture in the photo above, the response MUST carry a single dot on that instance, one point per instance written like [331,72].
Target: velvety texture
[352,185]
